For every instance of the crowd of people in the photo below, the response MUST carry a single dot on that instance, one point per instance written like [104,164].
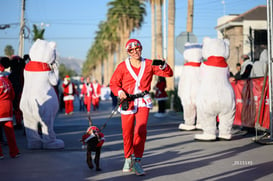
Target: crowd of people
[87,91]
[248,68]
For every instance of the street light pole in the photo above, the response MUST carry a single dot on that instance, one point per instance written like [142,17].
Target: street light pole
[22,26]
[270,62]
[189,18]
[164,31]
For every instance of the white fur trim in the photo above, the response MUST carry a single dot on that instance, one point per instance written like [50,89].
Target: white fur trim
[119,92]
[163,67]
[69,97]
[6,119]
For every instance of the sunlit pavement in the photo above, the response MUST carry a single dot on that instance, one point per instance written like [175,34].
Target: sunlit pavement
[170,154]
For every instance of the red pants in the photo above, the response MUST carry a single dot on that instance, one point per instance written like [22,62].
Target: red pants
[134,131]
[69,107]
[8,128]
[88,102]
[95,102]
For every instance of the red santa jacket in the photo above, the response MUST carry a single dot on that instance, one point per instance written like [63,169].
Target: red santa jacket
[125,79]
[6,97]
[97,90]
[87,91]
[69,91]
[160,93]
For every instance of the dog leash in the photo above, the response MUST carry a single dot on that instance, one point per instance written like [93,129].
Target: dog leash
[114,111]
[130,97]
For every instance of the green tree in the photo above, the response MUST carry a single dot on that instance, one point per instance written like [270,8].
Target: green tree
[38,33]
[9,51]
[123,17]
[129,15]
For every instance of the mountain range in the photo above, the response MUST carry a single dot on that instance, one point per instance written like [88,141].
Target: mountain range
[72,63]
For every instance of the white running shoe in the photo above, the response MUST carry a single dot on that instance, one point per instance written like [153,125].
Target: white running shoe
[128,164]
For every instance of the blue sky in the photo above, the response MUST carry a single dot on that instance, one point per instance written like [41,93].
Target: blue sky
[72,24]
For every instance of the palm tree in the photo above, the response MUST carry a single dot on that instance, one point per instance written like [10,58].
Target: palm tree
[9,51]
[156,46]
[38,33]
[129,15]
[153,51]
[96,57]
[124,16]
[159,41]
[110,40]
[170,56]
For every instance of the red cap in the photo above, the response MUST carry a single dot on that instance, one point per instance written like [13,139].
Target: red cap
[133,43]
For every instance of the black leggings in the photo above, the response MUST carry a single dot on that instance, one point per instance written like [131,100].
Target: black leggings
[161,106]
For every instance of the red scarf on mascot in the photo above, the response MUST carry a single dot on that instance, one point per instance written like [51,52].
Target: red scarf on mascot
[193,64]
[37,66]
[216,61]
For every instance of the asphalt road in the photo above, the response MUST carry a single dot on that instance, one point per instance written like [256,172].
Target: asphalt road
[170,154]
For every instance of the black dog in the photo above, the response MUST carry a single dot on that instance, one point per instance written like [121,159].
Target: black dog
[94,140]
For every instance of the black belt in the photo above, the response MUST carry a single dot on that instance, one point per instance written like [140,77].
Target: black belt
[131,97]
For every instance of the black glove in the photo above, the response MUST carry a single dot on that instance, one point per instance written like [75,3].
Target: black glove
[125,105]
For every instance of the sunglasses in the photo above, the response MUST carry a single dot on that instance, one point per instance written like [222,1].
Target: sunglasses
[132,50]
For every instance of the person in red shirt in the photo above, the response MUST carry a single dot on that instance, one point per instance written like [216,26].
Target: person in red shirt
[131,82]
[6,115]
[69,91]
[96,94]
[86,93]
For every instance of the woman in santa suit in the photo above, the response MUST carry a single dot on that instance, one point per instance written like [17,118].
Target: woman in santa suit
[86,93]
[96,95]
[6,120]
[131,82]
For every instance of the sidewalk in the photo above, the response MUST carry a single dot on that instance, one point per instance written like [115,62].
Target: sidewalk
[170,154]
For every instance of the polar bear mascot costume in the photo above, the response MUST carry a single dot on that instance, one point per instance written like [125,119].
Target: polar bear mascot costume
[188,85]
[39,101]
[215,96]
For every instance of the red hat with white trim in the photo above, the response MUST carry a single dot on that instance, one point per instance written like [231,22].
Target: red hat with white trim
[67,77]
[133,43]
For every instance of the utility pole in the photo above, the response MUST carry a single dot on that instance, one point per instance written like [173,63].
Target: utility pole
[22,26]
[190,17]
[164,30]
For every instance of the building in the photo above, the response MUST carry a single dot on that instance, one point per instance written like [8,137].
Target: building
[246,33]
